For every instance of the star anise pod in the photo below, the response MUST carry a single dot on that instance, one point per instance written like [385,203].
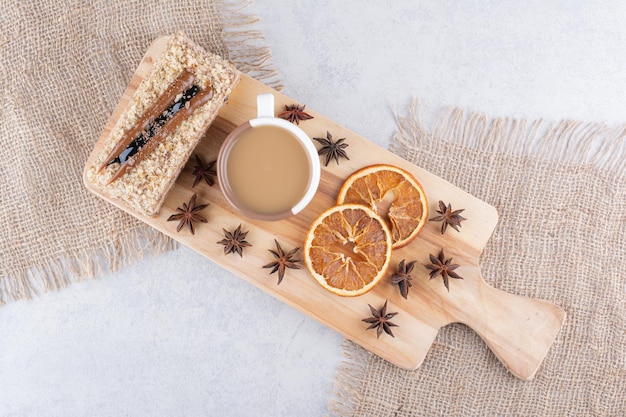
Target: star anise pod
[294,113]
[402,277]
[332,149]
[283,261]
[188,214]
[380,320]
[441,266]
[204,172]
[448,217]
[234,241]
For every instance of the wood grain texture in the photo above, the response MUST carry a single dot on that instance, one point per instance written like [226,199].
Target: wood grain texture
[519,330]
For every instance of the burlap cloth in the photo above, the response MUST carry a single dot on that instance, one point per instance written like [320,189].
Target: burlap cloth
[560,190]
[63,68]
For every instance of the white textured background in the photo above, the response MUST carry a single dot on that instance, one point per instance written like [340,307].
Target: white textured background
[179,336]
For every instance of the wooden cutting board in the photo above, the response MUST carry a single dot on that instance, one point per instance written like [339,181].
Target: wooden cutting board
[519,330]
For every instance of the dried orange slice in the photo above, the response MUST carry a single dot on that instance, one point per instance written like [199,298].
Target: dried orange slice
[348,249]
[394,194]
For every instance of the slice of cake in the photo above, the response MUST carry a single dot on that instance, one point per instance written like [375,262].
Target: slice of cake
[162,124]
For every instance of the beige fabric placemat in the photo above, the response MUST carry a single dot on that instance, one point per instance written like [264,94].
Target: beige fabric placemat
[63,68]
[560,190]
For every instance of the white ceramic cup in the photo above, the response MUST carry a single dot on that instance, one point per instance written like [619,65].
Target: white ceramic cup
[265,117]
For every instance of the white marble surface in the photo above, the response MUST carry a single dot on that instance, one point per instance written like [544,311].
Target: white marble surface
[179,336]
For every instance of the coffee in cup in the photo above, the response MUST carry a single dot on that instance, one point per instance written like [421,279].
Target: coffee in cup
[268,168]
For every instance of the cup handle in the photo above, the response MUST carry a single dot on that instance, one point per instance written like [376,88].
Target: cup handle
[265,105]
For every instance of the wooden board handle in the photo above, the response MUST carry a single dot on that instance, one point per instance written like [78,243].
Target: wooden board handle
[519,330]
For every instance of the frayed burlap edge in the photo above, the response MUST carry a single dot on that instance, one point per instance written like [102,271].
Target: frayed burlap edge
[59,273]
[350,377]
[246,49]
[566,141]
[597,144]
